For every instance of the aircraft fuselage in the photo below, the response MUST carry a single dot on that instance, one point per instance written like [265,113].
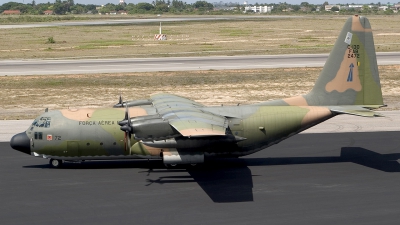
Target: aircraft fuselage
[95,133]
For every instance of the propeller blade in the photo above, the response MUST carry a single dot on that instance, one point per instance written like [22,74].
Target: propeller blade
[125,141]
[120,103]
[127,128]
[129,142]
[128,116]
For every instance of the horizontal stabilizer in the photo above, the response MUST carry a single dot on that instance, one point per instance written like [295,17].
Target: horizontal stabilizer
[354,110]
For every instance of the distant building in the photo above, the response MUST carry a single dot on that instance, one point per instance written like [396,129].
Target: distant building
[383,8]
[329,7]
[122,2]
[48,12]
[355,7]
[11,12]
[122,12]
[259,9]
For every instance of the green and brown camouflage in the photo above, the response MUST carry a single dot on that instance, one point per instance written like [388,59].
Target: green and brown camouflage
[180,131]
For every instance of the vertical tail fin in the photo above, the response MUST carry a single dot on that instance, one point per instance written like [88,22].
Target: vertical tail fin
[350,75]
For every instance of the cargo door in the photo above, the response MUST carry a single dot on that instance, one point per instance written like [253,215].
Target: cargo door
[73,149]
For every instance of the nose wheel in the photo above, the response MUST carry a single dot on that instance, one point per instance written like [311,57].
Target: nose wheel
[55,163]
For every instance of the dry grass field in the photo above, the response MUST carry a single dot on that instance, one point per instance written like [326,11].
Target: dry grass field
[24,97]
[242,36]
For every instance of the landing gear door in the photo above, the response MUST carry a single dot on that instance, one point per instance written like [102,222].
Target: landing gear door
[32,144]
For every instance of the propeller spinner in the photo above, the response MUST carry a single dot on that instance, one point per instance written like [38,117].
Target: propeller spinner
[127,128]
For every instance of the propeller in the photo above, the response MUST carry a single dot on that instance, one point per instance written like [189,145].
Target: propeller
[126,127]
[120,103]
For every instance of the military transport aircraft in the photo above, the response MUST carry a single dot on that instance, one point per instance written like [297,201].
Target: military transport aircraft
[180,131]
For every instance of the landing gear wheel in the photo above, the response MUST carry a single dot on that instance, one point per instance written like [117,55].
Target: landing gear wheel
[55,163]
[170,165]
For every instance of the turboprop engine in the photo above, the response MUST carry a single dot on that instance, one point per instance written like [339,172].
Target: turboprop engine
[149,128]
[122,104]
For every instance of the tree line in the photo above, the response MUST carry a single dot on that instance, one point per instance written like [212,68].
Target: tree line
[64,7]
[69,7]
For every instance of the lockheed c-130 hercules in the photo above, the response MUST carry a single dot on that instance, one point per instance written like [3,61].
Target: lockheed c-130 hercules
[180,131]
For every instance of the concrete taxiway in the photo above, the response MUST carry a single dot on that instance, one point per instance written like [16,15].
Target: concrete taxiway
[87,66]
[340,178]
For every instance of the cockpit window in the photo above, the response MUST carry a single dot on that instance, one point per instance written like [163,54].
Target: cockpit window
[39,135]
[44,122]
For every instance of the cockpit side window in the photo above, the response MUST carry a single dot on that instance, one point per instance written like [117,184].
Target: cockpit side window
[34,124]
[43,122]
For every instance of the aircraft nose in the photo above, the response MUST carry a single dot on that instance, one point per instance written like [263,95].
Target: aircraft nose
[21,143]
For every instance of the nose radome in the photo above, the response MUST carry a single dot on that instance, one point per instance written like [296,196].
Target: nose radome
[21,143]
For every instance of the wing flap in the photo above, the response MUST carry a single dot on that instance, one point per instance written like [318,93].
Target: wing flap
[194,128]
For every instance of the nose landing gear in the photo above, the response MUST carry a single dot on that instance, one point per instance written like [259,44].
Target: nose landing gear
[55,163]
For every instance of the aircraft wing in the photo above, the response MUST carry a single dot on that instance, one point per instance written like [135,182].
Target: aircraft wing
[163,99]
[187,116]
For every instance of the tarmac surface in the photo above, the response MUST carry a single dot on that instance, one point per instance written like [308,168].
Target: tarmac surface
[339,178]
[120,65]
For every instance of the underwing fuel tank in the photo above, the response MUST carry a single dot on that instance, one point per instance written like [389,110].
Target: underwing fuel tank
[197,142]
[174,156]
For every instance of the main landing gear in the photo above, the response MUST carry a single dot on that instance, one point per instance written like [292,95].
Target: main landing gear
[171,166]
[55,163]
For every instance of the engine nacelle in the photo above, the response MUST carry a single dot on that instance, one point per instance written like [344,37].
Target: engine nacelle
[153,129]
[173,156]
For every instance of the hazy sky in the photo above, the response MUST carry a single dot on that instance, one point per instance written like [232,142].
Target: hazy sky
[100,2]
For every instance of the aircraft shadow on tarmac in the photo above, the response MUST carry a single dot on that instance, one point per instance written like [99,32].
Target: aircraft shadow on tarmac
[230,180]
[358,155]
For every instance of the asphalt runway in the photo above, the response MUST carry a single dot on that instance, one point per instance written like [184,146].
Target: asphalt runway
[87,66]
[141,21]
[341,178]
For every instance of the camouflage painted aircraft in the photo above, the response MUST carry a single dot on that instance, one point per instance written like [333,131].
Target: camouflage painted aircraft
[180,131]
